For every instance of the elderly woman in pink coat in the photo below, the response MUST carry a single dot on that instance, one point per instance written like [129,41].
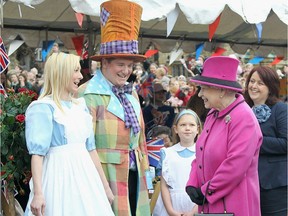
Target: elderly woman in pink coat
[224,176]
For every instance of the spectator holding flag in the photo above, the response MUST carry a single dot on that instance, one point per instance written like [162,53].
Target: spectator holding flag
[176,163]
[158,113]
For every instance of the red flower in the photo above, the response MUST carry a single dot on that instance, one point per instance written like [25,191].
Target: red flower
[33,94]
[20,118]
[29,92]
[23,90]
[2,92]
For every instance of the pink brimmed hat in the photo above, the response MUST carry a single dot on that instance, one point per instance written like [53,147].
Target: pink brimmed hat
[120,24]
[219,71]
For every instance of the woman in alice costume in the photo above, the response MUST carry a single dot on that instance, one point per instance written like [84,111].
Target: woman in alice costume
[67,177]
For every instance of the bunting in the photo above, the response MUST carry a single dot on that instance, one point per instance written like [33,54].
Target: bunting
[150,53]
[277,60]
[219,51]
[213,26]
[174,55]
[47,46]
[171,20]
[259,31]
[14,45]
[199,48]
[256,60]
[78,44]
[79,17]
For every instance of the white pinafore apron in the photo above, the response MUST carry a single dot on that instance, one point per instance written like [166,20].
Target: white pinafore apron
[70,181]
[175,171]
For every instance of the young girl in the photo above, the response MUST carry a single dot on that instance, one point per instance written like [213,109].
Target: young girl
[67,177]
[176,166]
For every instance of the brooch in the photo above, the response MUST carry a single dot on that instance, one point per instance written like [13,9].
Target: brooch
[227,118]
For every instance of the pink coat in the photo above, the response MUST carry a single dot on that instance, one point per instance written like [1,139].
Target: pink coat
[227,155]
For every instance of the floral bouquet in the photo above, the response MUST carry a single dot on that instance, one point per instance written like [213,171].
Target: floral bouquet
[15,160]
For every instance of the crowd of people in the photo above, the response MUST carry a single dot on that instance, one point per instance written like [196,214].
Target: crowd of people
[225,144]
[172,109]
[224,132]
[19,77]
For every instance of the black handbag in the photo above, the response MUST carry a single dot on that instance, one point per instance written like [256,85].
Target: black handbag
[213,214]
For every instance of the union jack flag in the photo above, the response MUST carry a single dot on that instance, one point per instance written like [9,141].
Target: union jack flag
[153,148]
[4,59]
[2,90]
[146,89]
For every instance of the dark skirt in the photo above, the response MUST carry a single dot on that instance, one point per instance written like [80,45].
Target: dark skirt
[274,201]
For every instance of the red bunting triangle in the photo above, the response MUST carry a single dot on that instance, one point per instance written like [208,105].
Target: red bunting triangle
[79,17]
[78,44]
[277,60]
[218,51]
[150,53]
[213,26]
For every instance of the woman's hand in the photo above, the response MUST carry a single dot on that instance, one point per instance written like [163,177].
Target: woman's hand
[109,194]
[38,205]
[95,158]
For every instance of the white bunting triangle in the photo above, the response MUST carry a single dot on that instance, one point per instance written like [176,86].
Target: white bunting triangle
[14,45]
[171,20]
[175,54]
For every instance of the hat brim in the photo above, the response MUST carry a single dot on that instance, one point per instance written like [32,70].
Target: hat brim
[134,57]
[234,86]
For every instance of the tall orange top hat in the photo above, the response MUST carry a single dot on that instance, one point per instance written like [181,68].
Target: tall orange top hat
[120,23]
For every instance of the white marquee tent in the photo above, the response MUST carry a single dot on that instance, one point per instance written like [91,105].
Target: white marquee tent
[39,20]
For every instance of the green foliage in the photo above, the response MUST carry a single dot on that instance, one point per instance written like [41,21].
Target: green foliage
[15,160]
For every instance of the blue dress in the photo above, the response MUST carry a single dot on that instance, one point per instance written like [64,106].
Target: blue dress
[70,182]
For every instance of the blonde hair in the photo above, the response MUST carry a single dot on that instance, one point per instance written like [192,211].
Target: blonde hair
[174,89]
[160,71]
[58,71]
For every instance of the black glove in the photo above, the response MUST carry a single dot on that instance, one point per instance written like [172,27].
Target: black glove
[195,195]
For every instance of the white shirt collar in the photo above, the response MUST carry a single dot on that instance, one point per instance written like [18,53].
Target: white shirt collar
[178,147]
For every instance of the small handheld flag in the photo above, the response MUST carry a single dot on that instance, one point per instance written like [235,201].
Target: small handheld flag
[153,148]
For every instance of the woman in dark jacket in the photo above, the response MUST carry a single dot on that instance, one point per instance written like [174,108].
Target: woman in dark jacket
[262,94]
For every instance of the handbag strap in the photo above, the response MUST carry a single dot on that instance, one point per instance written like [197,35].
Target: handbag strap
[202,211]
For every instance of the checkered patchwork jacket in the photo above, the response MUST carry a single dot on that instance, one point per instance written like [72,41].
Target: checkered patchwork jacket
[113,142]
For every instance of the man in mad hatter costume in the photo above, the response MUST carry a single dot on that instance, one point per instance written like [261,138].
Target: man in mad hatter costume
[116,111]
